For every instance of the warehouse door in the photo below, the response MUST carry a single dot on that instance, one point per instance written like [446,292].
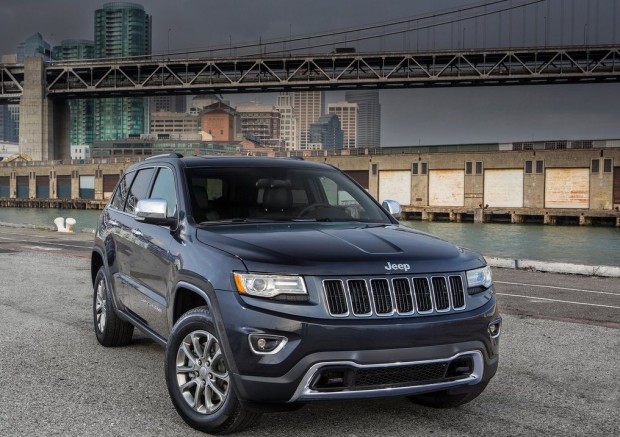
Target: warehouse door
[446,188]
[43,187]
[567,188]
[63,189]
[5,186]
[359,176]
[503,188]
[22,187]
[395,185]
[109,182]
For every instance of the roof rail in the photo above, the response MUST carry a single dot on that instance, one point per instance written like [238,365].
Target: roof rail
[165,155]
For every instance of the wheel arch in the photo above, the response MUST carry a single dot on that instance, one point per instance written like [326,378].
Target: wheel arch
[187,296]
[96,262]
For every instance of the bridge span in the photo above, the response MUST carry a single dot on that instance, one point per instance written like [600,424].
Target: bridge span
[43,88]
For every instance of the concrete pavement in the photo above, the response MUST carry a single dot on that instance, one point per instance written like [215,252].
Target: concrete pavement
[555,377]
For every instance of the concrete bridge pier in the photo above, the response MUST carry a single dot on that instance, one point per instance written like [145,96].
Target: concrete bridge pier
[44,124]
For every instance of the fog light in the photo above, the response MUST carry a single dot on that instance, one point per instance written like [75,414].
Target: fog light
[264,344]
[495,328]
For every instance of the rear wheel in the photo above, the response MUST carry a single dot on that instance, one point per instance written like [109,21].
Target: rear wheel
[198,378]
[449,398]
[109,328]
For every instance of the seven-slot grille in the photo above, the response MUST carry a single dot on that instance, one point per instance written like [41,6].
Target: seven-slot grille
[388,296]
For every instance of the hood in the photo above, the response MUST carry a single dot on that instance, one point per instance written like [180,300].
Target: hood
[325,249]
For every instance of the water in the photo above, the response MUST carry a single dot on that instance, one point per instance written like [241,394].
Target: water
[85,218]
[590,245]
[573,244]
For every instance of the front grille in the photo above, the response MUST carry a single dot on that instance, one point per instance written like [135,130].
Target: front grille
[389,296]
[336,300]
[360,302]
[401,375]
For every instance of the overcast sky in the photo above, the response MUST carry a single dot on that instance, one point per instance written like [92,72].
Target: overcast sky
[447,115]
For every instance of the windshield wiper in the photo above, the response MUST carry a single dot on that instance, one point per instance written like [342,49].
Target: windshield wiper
[234,221]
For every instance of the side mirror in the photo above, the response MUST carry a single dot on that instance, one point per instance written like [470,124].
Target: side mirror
[393,207]
[154,212]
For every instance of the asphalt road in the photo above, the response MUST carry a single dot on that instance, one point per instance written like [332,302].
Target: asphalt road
[558,373]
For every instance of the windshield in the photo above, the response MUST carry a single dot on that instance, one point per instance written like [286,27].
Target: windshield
[268,194]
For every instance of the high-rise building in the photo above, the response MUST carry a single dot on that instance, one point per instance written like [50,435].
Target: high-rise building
[81,110]
[5,119]
[168,104]
[347,113]
[122,30]
[308,106]
[368,117]
[288,124]
[325,133]
[34,45]
[260,123]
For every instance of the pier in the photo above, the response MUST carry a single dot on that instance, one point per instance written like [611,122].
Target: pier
[510,215]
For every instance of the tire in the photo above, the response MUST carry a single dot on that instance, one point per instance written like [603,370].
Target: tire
[199,382]
[448,398]
[110,330]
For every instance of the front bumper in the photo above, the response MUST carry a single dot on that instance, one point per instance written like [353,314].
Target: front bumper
[315,344]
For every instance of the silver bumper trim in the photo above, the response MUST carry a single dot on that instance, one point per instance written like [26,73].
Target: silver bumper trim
[304,392]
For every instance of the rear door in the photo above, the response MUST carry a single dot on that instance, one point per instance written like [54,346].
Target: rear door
[122,230]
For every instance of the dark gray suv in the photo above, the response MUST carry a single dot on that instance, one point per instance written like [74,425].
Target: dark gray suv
[273,282]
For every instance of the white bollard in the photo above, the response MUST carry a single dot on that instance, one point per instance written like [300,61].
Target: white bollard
[60,224]
[70,223]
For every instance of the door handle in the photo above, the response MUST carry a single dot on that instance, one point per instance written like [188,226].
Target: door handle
[113,223]
[137,232]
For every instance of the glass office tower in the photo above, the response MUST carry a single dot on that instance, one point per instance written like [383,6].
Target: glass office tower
[81,110]
[122,30]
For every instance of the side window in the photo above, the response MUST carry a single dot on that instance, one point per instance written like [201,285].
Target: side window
[120,195]
[139,189]
[164,188]
[336,195]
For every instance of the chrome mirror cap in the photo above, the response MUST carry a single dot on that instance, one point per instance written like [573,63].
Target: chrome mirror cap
[393,207]
[151,209]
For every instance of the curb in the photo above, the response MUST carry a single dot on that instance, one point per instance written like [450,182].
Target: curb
[28,226]
[554,267]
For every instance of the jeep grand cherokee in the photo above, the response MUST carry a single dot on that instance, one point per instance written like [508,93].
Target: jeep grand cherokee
[273,282]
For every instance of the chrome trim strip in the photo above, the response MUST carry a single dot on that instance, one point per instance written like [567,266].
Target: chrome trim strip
[344,291]
[374,305]
[435,306]
[410,295]
[430,291]
[462,292]
[304,392]
[348,290]
[283,341]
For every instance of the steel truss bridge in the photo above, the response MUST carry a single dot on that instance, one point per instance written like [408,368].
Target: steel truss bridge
[526,66]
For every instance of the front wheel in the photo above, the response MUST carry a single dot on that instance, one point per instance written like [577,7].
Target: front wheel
[198,378]
[449,398]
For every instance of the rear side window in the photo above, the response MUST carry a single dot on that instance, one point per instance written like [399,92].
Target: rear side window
[120,195]
[139,189]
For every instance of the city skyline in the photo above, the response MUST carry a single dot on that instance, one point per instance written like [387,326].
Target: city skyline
[409,117]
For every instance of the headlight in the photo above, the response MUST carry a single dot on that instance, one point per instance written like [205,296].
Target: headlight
[479,278]
[269,285]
